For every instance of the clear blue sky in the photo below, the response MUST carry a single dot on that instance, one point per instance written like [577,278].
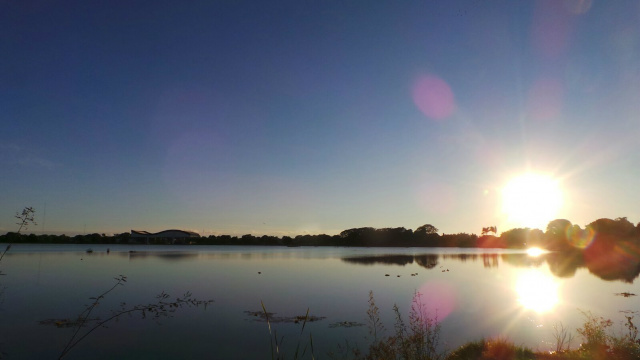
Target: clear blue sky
[292,117]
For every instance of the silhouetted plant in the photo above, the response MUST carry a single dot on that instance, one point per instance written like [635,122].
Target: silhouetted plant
[594,332]
[416,341]
[492,349]
[2,256]
[601,344]
[562,337]
[164,307]
[373,317]
[277,352]
[25,218]
[626,346]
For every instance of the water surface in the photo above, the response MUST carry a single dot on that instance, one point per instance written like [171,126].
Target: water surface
[475,293]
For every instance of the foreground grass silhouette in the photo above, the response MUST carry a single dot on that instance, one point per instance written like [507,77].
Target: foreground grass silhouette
[419,340]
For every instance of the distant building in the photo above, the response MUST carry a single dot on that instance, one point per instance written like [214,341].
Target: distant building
[163,237]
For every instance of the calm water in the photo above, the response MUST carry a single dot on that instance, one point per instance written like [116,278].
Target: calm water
[476,294]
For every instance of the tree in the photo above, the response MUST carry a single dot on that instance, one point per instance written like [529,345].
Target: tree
[427,235]
[488,229]
[518,238]
[357,236]
[427,229]
[620,227]
[558,227]
[558,234]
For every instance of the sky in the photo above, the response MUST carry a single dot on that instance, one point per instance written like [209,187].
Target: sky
[311,117]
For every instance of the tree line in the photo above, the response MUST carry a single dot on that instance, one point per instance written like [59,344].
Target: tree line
[560,235]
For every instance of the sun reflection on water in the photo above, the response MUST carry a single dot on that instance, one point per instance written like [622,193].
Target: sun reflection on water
[535,252]
[537,291]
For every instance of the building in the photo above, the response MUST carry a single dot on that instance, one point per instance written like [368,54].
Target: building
[163,237]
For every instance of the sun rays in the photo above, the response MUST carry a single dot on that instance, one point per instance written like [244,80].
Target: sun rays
[531,200]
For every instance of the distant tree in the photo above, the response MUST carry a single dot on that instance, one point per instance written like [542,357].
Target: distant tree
[122,238]
[427,229]
[620,227]
[392,237]
[520,237]
[287,240]
[558,227]
[427,235]
[248,239]
[488,229]
[558,234]
[357,236]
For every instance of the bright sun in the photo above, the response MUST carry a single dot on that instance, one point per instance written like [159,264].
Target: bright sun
[531,200]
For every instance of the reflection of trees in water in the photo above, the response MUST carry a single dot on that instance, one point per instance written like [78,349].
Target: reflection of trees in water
[607,260]
[490,260]
[522,260]
[165,255]
[461,257]
[427,261]
[401,260]
[186,255]
[610,259]
[564,264]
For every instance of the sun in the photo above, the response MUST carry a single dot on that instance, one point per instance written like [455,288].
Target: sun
[531,200]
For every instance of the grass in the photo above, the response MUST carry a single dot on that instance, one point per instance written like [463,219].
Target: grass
[419,338]
[492,349]
[276,342]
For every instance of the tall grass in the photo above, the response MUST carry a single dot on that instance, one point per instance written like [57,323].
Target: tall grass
[492,349]
[602,343]
[276,342]
[416,340]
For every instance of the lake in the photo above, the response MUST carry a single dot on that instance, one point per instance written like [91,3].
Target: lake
[475,293]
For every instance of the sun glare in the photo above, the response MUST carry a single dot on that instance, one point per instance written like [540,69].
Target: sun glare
[535,252]
[537,291]
[531,200]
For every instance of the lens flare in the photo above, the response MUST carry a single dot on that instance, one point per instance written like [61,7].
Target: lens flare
[579,238]
[433,97]
[438,300]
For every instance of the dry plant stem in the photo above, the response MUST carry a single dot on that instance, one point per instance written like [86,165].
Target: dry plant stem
[25,218]
[120,280]
[266,314]
[563,337]
[373,313]
[161,308]
[5,251]
[277,344]
[301,331]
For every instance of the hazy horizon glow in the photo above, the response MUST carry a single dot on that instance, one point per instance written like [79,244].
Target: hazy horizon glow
[293,118]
